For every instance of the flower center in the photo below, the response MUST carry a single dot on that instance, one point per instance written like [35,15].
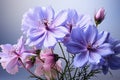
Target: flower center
[90,47]
[45,22]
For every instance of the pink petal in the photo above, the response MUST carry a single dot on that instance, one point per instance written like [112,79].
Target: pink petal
[12,67]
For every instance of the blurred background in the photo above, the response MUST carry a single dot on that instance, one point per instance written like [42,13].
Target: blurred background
[11,12]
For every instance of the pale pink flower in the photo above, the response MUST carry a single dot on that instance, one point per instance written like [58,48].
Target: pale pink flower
[12,54]
[48,64]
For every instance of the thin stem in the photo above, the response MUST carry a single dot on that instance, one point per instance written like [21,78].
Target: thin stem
[66,62]
[75,72]
[29,70]
[62,50]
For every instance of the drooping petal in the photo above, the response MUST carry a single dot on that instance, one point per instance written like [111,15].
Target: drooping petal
[104,49]
[81,59]
[114,62]
[105,69]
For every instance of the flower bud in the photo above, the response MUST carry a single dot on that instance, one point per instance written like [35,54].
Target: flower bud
[99,16]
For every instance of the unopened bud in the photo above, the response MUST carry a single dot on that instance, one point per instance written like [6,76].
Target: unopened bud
[99,16]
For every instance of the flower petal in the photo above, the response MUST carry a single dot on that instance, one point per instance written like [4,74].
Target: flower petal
[114,62]
[102,37]
[94,57]
[59,32]
[7,48]
[50,13]
[91,33]
[84,21]
[81,59]
[60,18]
[75,48]
[78,36]
[12,65]
[104,49]
[49,41]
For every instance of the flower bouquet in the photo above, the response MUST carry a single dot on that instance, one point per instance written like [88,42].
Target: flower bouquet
[84,51]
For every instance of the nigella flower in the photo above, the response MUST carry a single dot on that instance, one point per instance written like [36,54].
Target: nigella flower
[43,28]
[47,64]
[10,56]
[88,45]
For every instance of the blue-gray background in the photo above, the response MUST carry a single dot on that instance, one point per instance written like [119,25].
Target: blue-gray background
[11,12]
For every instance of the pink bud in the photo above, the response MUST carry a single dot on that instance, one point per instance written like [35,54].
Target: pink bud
[99,16]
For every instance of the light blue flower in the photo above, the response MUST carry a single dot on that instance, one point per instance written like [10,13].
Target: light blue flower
[88,45]
[42,28]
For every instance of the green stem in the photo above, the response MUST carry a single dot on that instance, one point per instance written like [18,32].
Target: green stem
[64,57]
[62,50]
[75,72]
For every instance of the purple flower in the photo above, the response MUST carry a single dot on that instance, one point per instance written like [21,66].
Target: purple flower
[43,28]
[10,56]
[72,19]
[75,20]
[88,45]
[112,61]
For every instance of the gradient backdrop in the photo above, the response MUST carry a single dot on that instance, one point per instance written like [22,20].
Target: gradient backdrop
[11,12]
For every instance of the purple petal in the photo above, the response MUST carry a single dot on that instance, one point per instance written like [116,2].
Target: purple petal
[49,41]
[60,18]
[102,37]
[91,33]
[81,59]
[94,57]
[78,36]
[36,41]
[84,21]
[114,62]
[72,16]
[75,48]
[117,48]
[50,14]
[104,49]
[59,32]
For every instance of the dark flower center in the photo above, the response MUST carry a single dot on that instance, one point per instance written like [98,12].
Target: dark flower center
[90,47]
[45,22]
[46,26]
